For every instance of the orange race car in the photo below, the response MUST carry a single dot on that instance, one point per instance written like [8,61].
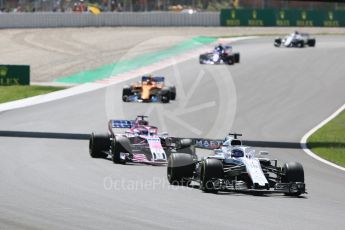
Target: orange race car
[149,89]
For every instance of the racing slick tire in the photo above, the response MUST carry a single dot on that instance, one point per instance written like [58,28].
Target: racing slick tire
[172,90]
[210,169]
[277,42]
[230,60]
[186,146]
[311,42]
[186,142]
[293,172]
[126,93]
[300,44]
[237,57]
[120,145]
[202,57]
[98,144]
[180,168]
[165,95]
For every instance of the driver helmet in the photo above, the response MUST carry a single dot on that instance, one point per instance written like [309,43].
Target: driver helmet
[149,79]
[237,153]
[219,47]
[152,132]
[142,122]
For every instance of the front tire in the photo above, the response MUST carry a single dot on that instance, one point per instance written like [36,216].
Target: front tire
[293,172]
[211,170]
[277,42]
[301,44]
[119,146]
[98,144]
[202,57]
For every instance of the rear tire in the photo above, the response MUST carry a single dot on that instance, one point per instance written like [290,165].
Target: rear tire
[120,145]
[172,92]
[126,93]
[186,142]
[293,173]
[98,144]
[165,95]
[180,168]
[311,42]
[237,57]
[230,60]
[186,146]
[211,169]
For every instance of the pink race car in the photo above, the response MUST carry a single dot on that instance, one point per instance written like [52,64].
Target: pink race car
[140,143]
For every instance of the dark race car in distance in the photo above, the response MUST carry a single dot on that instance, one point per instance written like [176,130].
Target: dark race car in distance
[140,143]
[220,55]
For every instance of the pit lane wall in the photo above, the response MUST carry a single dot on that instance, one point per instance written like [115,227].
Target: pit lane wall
[288,17]
[71,19]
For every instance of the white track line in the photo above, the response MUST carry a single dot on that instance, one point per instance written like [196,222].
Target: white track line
[313,130]
[87,87]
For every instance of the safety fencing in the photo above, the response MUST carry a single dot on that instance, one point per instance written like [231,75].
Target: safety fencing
[274,17]
[49,20]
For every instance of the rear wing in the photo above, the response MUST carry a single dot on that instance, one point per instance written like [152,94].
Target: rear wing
[158,79]
[123,124]
[228,48]
[304,34]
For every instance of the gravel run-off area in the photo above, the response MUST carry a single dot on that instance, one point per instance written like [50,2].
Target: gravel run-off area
[53,53]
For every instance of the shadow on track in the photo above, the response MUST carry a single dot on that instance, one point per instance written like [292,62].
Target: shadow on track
[84,136]
[250,193]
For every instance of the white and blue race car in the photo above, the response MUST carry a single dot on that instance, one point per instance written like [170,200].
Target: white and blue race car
[235,167]
[295,39]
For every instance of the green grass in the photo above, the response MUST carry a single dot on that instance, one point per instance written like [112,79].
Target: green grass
[329,141]
[11,93]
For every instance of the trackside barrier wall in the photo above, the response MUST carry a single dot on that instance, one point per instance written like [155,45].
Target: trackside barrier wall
[276,17]
[227,17]
[49,20]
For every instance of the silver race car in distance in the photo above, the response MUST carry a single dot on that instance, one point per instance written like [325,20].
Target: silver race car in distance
[235,167]
[295,39]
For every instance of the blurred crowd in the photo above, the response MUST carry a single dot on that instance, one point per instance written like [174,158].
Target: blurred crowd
[156,5]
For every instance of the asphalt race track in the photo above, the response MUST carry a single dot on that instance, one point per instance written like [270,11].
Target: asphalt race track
[273,95]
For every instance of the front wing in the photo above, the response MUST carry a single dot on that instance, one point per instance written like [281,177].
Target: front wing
[135,98]
[288,188]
